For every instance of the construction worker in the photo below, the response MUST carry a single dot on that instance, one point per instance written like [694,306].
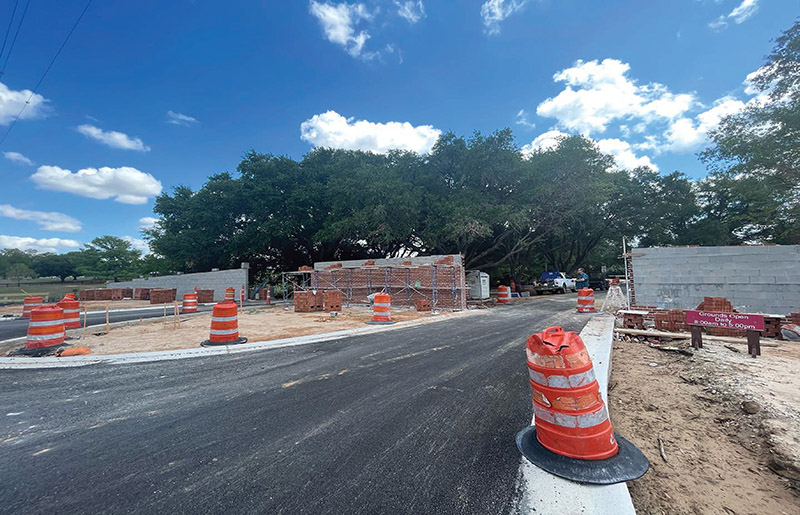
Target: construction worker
[581,280]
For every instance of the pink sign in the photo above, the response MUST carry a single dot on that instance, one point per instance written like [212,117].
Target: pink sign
[741,321]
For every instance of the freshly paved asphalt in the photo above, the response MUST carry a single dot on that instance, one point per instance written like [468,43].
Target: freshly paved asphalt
[414,420]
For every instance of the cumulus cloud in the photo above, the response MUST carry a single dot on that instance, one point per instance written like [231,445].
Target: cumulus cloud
[333,130]
[338,22]
[18,158]
[113,139]
[546,141]
[740,14]
[495,11]
[180,118]
[38,244]
[138,244]
[411,11]
[147,222]
[48,221]
[11,103]
[598,93]
[623,154]
[125,184]
[687,135]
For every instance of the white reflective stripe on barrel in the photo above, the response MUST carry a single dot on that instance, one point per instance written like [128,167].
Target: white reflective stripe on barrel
[45,323]
[586,298]
[71,311]
[574,421]
[383,304]
[224,319]
[557,381]
[41,337]
[221,332]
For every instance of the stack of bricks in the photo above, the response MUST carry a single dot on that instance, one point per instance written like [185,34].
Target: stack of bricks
[205,296]
[332,300]
[772,327]
[307,301]
[86,295]
[719,305]
[141,294]
[633,321]
[442,284]
[162,295]
[127,293]
[116,293]
[423,305]
[793,318]
[673,320]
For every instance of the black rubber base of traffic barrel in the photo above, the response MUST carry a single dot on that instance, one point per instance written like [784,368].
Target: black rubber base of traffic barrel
[372,322]
[38,353]
[628,464]
[209,343]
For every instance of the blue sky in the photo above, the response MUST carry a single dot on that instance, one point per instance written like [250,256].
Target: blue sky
[148,95]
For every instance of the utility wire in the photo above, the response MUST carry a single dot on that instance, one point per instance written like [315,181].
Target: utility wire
[8,29]
[13,41]
[36,88]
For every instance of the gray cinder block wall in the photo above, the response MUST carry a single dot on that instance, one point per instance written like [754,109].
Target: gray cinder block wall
[755,279]
[185,283]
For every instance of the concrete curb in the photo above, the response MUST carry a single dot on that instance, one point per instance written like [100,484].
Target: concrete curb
[200,352]
[543,492]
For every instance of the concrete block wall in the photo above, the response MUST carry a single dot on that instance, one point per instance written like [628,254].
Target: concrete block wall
[755,279]
[185,283]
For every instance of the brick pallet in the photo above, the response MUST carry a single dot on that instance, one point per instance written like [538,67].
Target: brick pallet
[332,300]
[141,294]
[673,320]
[423,305]
[307,301]
[205,296]
[772,327]
[632,321]
[162,296]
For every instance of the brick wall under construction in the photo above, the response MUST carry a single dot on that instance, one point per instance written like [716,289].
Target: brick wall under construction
[443,285]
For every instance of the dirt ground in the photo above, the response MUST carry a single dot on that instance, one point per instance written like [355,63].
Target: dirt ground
[90,305]
[262,324]
[720,459]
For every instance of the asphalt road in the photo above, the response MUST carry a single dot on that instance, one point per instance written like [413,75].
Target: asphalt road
[414,420]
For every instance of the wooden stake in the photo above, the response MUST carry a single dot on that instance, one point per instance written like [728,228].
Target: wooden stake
[108,325]
[661,449]
[84,322]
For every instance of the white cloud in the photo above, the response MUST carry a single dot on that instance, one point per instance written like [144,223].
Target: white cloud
[138,244]
[740,14]
[127,185]
[338,22]
[686,135]
[147,222]
[495,11]
[180,118]
[11,103]
[113,139]
[411,11]
[546,141]
[598,93]
[48,221]
[623,154]
[333,130]
[522,119]
[18,158]
[38,244]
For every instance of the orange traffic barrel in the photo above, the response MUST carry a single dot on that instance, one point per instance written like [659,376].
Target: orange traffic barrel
[72,312]
[503,294]
[70,296]
[189,303]
[572,436]
[28,304]
[46,328]
[230,294]
[586,300]
[381,310]
[224,325]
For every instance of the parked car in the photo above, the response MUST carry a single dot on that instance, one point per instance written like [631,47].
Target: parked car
[554,282]
[598,283]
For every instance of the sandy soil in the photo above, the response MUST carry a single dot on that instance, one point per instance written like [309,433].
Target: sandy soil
[90,305]
[260,324]
[721,460]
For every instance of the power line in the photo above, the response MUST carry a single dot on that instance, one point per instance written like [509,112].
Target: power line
[36,88]
[13,41]
[8,29]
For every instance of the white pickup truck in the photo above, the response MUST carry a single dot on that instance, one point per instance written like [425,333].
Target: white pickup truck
[554,282]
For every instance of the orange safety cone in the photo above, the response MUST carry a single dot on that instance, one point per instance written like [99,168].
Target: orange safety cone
[224,325]
[269,300]
[72,312]
[382,310]
[45,330]
[189,304]
[572,436]
[29,303]
[230,294]
[586,300]
[503,294]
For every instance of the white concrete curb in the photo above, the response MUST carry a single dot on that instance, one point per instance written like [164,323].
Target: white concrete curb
[199,352]
[545,493]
